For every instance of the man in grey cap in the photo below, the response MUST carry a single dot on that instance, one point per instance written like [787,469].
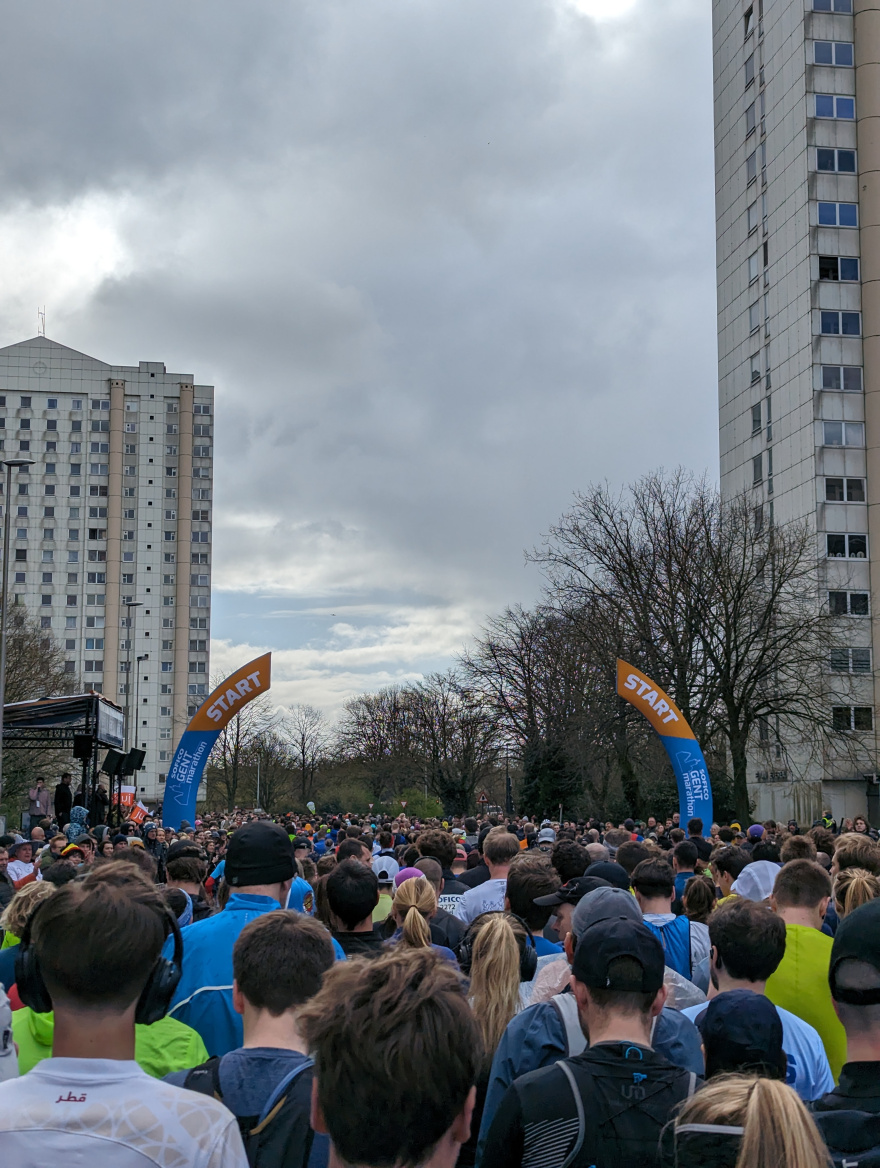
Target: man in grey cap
[549,1031]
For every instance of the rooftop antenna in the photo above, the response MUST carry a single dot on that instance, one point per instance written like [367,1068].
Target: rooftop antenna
[41,321]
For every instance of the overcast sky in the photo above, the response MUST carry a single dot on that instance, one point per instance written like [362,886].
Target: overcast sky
[445,261]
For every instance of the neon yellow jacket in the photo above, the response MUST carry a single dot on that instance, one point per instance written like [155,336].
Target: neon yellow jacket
[800,985]
[167,1045]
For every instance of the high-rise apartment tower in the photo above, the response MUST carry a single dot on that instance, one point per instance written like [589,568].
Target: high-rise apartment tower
[797,141]
[111,529]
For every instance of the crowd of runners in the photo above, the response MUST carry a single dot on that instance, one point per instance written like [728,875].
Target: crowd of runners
[499,991]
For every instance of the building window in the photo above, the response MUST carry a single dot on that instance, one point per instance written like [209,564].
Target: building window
[844,546]
[201,430]
[839,161]
[845,718]
[199,536]
[754,267]
[844,6]
[846,324]
[754,317]
[845,377]
[844,268]
[850,660]
[844,490]
[201,581]
[843,434]
[131,427]
[833,53]
[829,105]
[750,69]
[197,667]
[94,643]
[201,451]
[757,469]
[751,167]
[750,119]
[838,214]
[848,604]
[167,666]
[100,404]
[201,408]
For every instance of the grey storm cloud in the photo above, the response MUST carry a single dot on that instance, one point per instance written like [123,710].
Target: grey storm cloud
[446,261]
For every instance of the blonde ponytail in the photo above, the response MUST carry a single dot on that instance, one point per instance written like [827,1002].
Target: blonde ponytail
[854,887]
[777,1129]
[415,902]
[494,976]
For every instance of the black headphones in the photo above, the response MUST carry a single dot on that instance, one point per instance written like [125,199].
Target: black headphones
[155,996]
[528,955]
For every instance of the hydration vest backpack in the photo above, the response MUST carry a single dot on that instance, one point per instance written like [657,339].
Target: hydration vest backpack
[280,1136]
[675,937]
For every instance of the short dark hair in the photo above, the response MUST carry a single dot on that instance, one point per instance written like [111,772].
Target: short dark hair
[351,849]
[500,846]
[117,904]
[766,851]
[352,892]
[439,845]
[727,835]
[61,872]
[653,878]
[280,959]
[138,858]
[189,868]
[695,827]
[749,937]
[797,847]
[570,859]
[729,860]
[801,884]
[418,1048]
[622,1001]
[529,877]
[631,854]
[686,853]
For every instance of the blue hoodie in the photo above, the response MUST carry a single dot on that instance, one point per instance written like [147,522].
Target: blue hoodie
[203,998]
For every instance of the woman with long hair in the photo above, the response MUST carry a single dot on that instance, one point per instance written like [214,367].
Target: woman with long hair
[698,899]
[492,955]
[740,1121]
[854,887]
[415,902]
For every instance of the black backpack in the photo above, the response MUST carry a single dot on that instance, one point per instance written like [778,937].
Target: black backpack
[280,1136]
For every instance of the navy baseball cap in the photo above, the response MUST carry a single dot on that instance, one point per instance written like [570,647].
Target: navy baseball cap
[603,943]
[742,1032]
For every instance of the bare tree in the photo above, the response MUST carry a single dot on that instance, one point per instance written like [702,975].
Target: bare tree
[375,731]
[229,761]
[720,608]
[310,739]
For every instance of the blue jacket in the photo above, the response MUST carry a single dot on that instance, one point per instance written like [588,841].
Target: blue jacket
[536,1038]
[203,998]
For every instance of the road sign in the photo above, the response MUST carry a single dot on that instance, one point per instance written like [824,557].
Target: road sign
[403,802]
[370,805]
[483,798]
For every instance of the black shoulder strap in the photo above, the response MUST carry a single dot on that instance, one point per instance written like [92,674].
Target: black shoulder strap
[205,1078]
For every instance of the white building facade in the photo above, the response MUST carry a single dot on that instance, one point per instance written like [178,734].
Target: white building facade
[111,530]
[797,141]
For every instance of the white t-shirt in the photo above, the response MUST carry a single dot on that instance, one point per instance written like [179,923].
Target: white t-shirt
[486,897]
[17,870]
[110,1114]
[808,1069]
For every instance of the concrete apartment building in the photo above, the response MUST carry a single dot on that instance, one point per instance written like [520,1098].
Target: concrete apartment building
[797,141]
[116,511]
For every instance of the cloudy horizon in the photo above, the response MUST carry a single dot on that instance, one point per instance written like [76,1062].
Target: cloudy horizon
[445,262]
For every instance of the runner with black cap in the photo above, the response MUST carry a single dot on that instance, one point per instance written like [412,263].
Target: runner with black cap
[608,1105]
[849,1117]
[259,870]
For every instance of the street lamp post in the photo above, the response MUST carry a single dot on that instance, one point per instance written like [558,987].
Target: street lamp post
[129,620]
[10,464]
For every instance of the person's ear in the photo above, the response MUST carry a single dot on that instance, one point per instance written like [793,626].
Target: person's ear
[773,903]
[568,945]
[659,1001]
[237,998]
[507,904]
[823,906]
[316,1113]
[461,1125]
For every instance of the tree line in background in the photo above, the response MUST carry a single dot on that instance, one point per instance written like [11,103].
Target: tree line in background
[718,606]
